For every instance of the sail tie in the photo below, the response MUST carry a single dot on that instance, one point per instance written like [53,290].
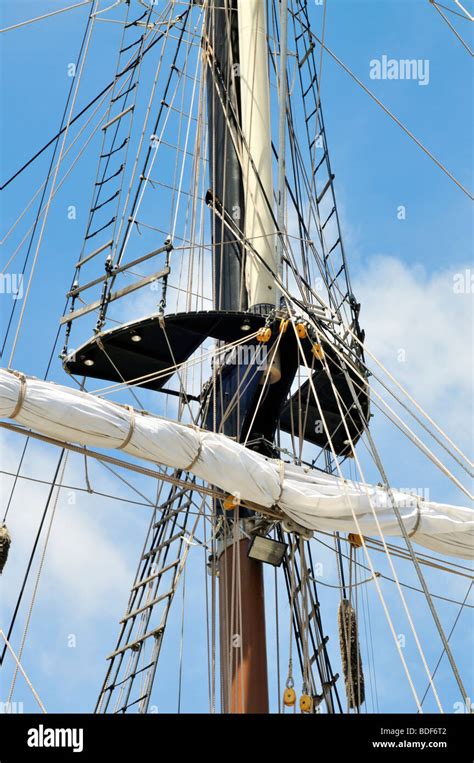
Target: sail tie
[21,395]
[131,429]
[281,468]
[417,520]
[198,453]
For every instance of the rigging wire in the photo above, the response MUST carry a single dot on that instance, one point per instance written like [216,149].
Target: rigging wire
[38,574]
[127,68]
[22,671]
[76,84]
[463,604]
[82,47]
[386,577]
[82,50]
[359,531]
[59,185]
[463,42]
[451,10]
[405,534]
[79,489]
[395,419]
[46,16]
[181,644]
[142,136]
[392,116]
[407,394]
[469,16]
[33,551]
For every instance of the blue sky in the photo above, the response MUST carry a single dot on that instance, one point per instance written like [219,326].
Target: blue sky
[402,271]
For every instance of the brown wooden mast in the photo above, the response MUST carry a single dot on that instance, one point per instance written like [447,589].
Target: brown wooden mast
[244,679]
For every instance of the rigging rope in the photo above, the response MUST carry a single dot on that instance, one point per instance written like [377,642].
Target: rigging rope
[392,116]
[46,16]
[38,575]
[77,83]
[33,551]
[129,66]
[379,590]
[20,668]
[405,534]
[463,42]
[463,604]
[82,50]
[451,10]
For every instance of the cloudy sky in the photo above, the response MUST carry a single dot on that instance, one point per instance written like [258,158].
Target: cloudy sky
[408,237]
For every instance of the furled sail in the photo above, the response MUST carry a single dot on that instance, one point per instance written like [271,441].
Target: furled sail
[313,499]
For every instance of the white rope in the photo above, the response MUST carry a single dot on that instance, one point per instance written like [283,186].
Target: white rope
[21,395]
[40,570]
[20,668]
[360,533]
[146,179]
[142,137]
[382,536]
[131,429]
[154,376]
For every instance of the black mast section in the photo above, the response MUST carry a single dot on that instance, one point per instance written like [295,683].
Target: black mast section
[225,172]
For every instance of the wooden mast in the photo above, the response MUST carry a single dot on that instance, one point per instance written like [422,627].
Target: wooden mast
[242,632]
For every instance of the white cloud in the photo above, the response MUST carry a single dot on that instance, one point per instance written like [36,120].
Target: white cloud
[422,331]
[86,569]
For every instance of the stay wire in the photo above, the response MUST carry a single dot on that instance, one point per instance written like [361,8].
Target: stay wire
[45,16]
[33,551]
[463,604]
[129,66]
[395,119]
[63,127]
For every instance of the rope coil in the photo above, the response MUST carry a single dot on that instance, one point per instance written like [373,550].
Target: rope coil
[350,655]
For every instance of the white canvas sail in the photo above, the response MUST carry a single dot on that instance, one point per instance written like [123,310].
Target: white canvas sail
[313,499]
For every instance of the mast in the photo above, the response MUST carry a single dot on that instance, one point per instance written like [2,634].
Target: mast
[238,55]
[257,154]
[223,101]
[241,399]
[242,631]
